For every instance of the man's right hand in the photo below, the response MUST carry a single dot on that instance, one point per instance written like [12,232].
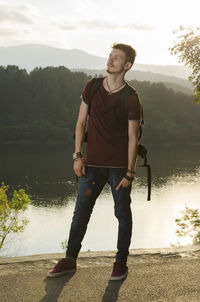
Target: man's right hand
[79,167]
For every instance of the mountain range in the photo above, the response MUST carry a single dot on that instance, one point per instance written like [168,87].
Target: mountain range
[35,55]
[178,84]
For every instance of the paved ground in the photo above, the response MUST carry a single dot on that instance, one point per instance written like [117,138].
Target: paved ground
[167,275]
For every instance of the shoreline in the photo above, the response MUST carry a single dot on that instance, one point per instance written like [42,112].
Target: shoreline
[183,251]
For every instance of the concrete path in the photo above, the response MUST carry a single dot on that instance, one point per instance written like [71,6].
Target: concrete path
[166,275]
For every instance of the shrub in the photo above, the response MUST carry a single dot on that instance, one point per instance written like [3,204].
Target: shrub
[189,224]
[11,208]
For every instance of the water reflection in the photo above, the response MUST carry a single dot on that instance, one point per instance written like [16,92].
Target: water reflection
[45,172]
[47,176]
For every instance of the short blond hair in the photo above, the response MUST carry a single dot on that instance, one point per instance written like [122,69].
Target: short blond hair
[129,51]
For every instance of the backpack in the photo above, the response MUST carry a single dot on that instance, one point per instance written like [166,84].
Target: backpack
[141,150]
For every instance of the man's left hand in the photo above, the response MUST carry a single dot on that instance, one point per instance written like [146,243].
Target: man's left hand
[123,183]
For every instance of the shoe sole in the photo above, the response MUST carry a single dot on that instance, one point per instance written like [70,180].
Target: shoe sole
[54,275]
[118,278]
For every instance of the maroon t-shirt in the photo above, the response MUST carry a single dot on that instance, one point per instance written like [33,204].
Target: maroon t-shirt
[107,144]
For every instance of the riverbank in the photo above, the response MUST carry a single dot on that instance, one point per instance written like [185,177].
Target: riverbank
[154,275]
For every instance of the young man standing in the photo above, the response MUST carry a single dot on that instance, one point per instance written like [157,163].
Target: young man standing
[110,157]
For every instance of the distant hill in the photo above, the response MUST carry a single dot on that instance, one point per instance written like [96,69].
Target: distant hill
[31,56]
[175,83]
[36,55]
[171,70]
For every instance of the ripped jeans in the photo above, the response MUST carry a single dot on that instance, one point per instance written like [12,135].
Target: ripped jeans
[90,187]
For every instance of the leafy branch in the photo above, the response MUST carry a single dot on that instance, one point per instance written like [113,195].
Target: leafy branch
[189,224]
[187,49]
[11,209]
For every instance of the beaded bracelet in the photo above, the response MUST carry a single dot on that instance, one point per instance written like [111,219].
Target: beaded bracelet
[130,171]
[129,178]
[79,158]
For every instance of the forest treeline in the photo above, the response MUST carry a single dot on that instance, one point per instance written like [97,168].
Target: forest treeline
[42,106]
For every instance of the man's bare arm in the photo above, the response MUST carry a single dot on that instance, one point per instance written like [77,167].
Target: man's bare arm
[133,127]
[79,167]
[80,126]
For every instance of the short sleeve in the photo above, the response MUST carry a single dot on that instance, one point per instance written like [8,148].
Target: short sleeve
[86,90]
[134,108]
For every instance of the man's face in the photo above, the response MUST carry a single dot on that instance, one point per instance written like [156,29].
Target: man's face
[116,62]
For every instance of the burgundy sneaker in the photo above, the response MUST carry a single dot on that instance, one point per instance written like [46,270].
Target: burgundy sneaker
[64,266]
[120,270]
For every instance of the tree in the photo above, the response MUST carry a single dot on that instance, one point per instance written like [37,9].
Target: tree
[43,106]
[10,212]
[189,224]
[188,51]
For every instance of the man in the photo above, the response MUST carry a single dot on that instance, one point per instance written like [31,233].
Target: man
[110,158]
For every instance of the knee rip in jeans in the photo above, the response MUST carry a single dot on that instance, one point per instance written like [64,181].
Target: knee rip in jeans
[88,192]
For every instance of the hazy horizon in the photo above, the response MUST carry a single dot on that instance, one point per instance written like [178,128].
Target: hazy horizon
[93,27]
[87,52]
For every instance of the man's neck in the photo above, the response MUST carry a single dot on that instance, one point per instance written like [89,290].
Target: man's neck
[115,79]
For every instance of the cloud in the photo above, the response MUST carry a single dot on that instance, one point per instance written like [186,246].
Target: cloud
[102,24]
[18,13]
[143,27]
[7,32]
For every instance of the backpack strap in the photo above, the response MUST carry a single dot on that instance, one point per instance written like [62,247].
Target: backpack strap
[125,94]
[128,91]
[142,151]
[97,82]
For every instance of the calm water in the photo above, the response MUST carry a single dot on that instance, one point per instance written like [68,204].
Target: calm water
[45,172]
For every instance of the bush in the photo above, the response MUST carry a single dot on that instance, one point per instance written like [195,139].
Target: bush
[189,224]
[11,208]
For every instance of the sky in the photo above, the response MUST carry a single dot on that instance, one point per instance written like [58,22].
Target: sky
[94,25]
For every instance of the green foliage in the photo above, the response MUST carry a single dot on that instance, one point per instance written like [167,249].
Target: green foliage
[43,107]
[170,117]
[40,106]
[189,224]
[64,244]
[188,51]
[11,208]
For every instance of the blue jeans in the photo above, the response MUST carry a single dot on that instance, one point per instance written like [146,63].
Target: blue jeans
[90,187]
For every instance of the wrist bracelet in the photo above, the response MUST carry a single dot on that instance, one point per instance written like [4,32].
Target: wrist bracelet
[76,159]
[130,171]
[129,178]
[77,155]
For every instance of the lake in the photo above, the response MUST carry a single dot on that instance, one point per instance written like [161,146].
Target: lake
[45,172]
